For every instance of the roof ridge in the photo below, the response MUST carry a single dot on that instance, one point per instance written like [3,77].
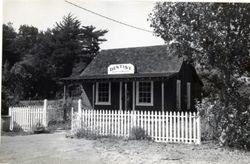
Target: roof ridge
[164,45]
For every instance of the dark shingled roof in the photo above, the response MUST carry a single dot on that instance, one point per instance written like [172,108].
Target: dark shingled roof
[148,61]
[78,68]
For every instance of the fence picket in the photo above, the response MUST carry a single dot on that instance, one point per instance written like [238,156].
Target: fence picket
[182,127]
[161,126]
[194,127]
[144,117]
[115,116]
[170,127]
[152,124]
[178,126]
[106,122]
[122,124]
[190,127]
[129,123]
[148,121]
[186,127]
[103,122]
[94,120]
[125,124]
[155,128]
[26,117]
[174,139]
[119,123]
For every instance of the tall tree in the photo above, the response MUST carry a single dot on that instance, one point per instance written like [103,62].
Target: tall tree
[9,36]
[33,60]
[9,58]
[73,42]
[217,37]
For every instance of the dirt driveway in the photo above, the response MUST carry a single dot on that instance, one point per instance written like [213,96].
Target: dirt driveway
[47,148]
[55,148]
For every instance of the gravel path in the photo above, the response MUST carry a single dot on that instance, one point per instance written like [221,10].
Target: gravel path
[114,151]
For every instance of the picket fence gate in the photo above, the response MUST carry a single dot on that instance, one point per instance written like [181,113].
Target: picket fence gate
[27,117]
[160,126]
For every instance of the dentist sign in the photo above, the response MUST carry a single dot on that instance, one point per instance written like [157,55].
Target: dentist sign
[115,69]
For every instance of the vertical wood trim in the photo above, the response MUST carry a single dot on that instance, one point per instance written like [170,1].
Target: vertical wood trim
[64,94]
[133,95]
[93,94]
[120,107]
[125,96]
[178,94]
[109,93]
[188,95]
[162,96]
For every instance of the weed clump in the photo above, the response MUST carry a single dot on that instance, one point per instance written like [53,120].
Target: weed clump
[138,133]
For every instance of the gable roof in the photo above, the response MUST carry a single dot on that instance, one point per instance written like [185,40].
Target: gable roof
[78,68]
[153,61]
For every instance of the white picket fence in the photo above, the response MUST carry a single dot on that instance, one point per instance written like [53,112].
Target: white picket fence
[28,116]
[160,126]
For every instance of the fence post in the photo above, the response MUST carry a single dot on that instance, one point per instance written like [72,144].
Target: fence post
[134,118]
[80,111]
[11,119]
[72,117]
[198,129]
[45,113]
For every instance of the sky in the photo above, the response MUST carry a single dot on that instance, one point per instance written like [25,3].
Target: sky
[44,14]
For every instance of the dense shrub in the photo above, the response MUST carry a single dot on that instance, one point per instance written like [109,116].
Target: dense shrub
[230,126]
[39,128]
[54,125]
[138,133]
[86,133]
[17,128]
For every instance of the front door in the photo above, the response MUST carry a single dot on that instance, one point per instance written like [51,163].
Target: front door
[127,96]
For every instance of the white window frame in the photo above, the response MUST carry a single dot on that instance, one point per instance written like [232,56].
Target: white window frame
[178,94]
[188,95]
[97,102]
[137,94]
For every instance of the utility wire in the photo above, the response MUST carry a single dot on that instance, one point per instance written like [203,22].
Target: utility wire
[116,21]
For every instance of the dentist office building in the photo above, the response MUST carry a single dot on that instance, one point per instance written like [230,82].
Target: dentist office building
[142,78]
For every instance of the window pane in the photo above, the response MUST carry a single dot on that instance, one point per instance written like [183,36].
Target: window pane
[103,92]
[144,92]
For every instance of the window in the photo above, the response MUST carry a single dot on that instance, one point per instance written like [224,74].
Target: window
[75,91]
[144,93]
[188,95]
[178,94]
[103,93]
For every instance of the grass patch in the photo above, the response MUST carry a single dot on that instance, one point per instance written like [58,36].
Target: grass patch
[13,133]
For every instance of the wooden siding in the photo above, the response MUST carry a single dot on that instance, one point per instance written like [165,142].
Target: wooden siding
[186,74]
